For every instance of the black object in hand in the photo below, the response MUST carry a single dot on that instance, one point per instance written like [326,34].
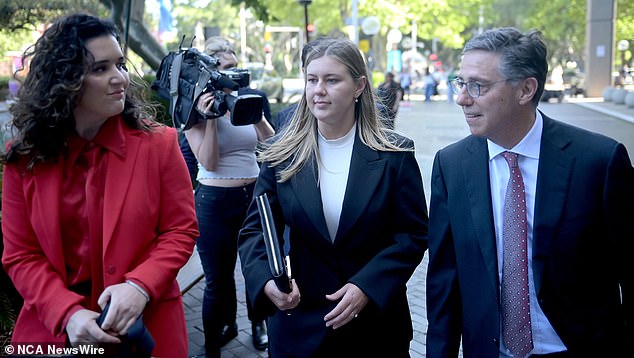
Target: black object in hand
[276,260]
[137,343]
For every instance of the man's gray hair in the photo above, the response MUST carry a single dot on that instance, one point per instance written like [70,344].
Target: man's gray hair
[523,55]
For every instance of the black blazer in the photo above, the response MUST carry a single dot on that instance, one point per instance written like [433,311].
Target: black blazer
[583,239]
[379,243]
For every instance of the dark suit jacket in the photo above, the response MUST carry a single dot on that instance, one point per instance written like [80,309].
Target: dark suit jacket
[583,238]
[379,243]
[284,117]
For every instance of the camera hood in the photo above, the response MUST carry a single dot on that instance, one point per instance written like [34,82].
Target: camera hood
[245,109]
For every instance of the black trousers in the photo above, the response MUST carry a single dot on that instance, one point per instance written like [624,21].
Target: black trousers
[220,213]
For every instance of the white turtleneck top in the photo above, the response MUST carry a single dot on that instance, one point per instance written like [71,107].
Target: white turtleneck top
[334,166]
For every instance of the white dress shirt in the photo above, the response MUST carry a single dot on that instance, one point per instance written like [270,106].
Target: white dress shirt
[545,339]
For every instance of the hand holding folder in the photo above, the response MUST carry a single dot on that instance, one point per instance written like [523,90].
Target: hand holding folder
[279,265]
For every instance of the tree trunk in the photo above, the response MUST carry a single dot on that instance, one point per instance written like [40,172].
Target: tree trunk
[139,40]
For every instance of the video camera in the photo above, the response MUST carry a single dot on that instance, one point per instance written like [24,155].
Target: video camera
[187,73]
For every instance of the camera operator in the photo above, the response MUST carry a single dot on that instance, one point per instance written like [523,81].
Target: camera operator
[227,169]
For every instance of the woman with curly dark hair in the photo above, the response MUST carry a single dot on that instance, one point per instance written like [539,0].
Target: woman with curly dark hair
[97,204]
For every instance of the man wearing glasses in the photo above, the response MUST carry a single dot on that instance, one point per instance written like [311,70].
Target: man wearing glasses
[530,220]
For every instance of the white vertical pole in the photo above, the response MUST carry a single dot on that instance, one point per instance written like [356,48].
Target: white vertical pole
[243,34]
[355,21]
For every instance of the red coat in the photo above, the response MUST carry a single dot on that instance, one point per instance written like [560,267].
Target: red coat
[149,231]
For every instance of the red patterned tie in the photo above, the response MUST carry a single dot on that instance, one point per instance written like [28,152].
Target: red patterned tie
[516,315]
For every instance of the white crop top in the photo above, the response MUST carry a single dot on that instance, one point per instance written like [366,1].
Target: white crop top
[237,152]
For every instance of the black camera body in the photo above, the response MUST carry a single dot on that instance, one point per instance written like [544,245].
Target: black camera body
[187,73]
[218,78]
[241,76]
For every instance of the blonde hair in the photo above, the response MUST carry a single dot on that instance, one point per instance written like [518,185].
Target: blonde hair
[297,143]
[218,44]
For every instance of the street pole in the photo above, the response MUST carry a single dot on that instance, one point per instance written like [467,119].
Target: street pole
[126,31]
[306,3]
[355,22]
[306,21]
[243,34]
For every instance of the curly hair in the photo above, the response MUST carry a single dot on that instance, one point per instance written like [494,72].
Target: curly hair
[58,63]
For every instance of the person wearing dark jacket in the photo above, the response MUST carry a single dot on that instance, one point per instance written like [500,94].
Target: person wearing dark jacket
[348,195]
[227,170]
[530,220]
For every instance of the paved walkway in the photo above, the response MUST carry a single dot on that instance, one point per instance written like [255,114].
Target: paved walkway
[432,126]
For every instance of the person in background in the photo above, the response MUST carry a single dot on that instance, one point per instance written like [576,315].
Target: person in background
[530,220]
[451,76]
[96,202]
[389,92]
[350,193]
[405,81]
[190,158]
[429,83]
[227,169]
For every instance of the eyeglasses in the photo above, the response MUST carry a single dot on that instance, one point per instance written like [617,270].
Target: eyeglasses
[473,88]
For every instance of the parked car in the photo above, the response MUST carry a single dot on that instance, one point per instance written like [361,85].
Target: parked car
[266,80]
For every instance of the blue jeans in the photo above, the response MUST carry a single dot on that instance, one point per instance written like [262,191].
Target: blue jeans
[220,213]
[429,92]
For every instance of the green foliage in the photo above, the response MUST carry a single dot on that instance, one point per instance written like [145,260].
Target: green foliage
[26,14]
[4,84]
[378,77]
[625,27]
[15,40]
[216,14]
[563,25]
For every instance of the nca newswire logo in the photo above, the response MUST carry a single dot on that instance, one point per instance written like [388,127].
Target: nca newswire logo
[35,349]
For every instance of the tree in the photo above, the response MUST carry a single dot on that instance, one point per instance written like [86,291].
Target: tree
[563,25]
[17,17]
[215,15]
[25,14]
[139,39]
[625,26]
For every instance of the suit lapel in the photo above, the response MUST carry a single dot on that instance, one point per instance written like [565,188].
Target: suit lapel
[365,167]
[308,195]
[553,178]
[366,171]
[476,175]
[118,176]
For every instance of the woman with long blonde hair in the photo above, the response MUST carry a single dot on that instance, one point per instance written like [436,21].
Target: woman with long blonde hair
[348,196]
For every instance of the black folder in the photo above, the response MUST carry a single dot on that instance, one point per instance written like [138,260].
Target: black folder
[277,263]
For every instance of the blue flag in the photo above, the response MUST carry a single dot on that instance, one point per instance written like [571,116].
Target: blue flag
[165,20]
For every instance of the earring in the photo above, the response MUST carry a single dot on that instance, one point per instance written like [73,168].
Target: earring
[356,100]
